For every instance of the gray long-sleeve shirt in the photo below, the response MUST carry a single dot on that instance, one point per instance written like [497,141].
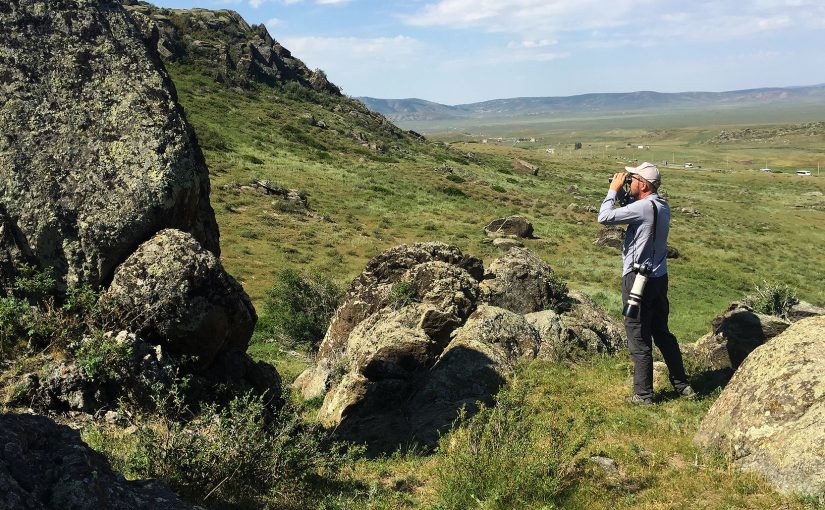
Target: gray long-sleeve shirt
[638,216]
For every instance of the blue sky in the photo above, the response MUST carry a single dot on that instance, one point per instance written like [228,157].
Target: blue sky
[462,51]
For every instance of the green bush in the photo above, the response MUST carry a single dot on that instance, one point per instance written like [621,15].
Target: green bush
[103,359]
[402,294]
[34,283]
[15,322]
[456,178]
[298,307]
[236,457]
[453,191]
[502,458]
[772,298]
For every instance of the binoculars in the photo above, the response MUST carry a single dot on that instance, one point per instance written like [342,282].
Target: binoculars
[627,180]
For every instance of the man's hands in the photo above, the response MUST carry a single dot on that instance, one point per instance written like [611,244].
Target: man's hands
[618,181]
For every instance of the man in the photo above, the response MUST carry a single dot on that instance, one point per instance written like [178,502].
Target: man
[645,241]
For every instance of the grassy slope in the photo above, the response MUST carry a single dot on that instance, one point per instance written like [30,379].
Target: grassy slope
[364,202]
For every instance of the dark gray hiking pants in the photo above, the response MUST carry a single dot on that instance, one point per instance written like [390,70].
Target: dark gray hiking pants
[652,323]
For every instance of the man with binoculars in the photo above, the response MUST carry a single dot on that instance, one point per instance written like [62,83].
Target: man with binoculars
[644,277]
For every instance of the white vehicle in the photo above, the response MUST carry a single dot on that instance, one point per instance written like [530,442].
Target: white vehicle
[688,165]
[803,172]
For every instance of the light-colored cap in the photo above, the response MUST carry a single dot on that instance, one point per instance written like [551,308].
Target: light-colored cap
[648,171]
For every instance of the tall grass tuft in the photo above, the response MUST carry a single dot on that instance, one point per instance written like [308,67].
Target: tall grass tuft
[772,298]
[298,308]
[502,458]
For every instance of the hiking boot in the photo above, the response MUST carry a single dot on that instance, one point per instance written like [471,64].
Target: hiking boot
[637,400]
[687,393]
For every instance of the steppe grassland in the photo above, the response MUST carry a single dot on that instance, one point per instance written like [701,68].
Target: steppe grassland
[363,203]
[748,231]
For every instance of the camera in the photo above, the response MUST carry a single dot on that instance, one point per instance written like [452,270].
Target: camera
[631,309]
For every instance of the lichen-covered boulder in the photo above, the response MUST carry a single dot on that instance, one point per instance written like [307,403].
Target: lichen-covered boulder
[430,273]
[402,386]
[580,329]
[173,292]
[521,282]
[96,154]
[769,418]
[516,226]
[736,333]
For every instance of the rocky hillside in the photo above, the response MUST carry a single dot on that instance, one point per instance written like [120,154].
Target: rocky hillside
[221,45]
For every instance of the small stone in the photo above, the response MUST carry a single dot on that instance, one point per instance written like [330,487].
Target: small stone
[607,464]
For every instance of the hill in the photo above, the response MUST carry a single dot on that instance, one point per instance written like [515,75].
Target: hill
[588,104]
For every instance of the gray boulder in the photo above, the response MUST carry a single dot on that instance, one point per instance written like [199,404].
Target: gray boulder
[580,330]
[96,154]
[735,334]
[431,273]
[769,418]
[173,292]
[611,237]
[521,282]
[401,386]
[510,226]
[44,465]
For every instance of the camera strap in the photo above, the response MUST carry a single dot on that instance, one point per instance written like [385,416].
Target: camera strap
[651,238]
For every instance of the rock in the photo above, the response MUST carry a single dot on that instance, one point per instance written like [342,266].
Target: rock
[292,196]
[607,465]
[96,154]
[404,387]
[611,236]
[46,465]
[430,273]
[505,243]
[521,282]
[737,332]
[803,309]
[573,189]
[136,373]
[769,418]
[689,211]
[580,330]
[524,166]
[509,226]
[243,56]
[672,253]
[173,292]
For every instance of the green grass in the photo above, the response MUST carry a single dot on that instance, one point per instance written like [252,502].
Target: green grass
[363,200]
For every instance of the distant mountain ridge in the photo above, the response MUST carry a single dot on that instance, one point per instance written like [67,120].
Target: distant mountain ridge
[414,109]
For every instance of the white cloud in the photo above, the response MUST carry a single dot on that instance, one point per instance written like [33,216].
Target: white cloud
[343,52]
[331,2]
[541,43]
[623,20]
[256,3]
[271,23]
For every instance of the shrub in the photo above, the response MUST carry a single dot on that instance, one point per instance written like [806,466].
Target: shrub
[772,298]
[402,294]
[500,189]
[456,178]
[501,458]
[34,283]
[103,359]
[15,318]
[299,307]
[453,191]
[238,456]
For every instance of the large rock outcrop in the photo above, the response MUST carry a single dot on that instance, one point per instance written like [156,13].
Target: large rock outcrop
[46,466]
[414,342]
[433,273]
[174,293]
[96,155]
[226,46]
[769,419]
